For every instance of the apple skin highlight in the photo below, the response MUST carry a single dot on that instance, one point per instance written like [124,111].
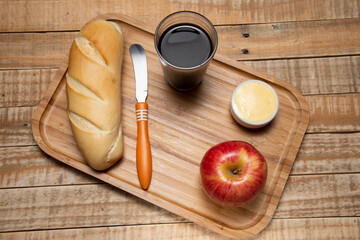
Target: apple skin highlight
[233,173]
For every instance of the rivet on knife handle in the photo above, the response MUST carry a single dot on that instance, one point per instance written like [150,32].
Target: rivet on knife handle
[143,150]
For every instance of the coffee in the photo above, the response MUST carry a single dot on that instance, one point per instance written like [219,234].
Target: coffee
[185,46]
[185,43]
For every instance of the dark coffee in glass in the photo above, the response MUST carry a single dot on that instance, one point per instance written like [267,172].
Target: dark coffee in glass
[185,42]
[185,46]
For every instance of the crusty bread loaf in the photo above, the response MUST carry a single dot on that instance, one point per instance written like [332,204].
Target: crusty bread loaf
[94,93]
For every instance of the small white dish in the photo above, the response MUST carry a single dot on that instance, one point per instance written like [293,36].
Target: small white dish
[258,100]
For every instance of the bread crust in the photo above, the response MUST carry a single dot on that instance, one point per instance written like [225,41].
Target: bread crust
[94,93]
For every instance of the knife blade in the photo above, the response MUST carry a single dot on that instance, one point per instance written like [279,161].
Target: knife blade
[143,149]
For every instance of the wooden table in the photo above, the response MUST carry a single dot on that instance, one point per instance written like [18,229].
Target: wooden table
[314,45]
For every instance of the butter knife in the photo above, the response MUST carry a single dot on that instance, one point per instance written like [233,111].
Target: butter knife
[143,150]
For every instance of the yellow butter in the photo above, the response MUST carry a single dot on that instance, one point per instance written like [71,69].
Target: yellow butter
[255,101]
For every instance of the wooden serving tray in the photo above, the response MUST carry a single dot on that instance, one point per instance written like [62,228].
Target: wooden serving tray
[182,127]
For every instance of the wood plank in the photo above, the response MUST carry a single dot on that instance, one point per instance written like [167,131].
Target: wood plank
[328,114]
[29,166]
[334,113]
[310,75]
[102,205]
[329,75]
[313,228]
[15,126]
[320,196]
[318,154]
[24,87]
[266,41]
[71,15]
[290,40]
[75,206]
[34,50]
[328,153]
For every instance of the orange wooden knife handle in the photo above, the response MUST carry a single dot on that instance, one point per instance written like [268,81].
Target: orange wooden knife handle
[143,150]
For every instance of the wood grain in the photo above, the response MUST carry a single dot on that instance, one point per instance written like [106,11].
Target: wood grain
[32,47]
[329,75]
[52,133]
[15,123]
[265,41]
[328,153]
[331,229]
[290,40]
[320,195]
[24,87]
[302,229]
[310,76]
[19,51]
[341,113]
[15,126]
[318,154]
[94,205]
[71,15]
[29,166]
[75,206]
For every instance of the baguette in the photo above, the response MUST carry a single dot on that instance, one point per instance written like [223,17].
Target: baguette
[93,87]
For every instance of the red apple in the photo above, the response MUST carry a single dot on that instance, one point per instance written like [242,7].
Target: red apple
[233,173]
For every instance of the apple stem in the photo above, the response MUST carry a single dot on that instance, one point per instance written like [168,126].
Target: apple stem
[236,171]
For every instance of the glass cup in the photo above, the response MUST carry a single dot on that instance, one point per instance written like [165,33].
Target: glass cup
[175,51]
